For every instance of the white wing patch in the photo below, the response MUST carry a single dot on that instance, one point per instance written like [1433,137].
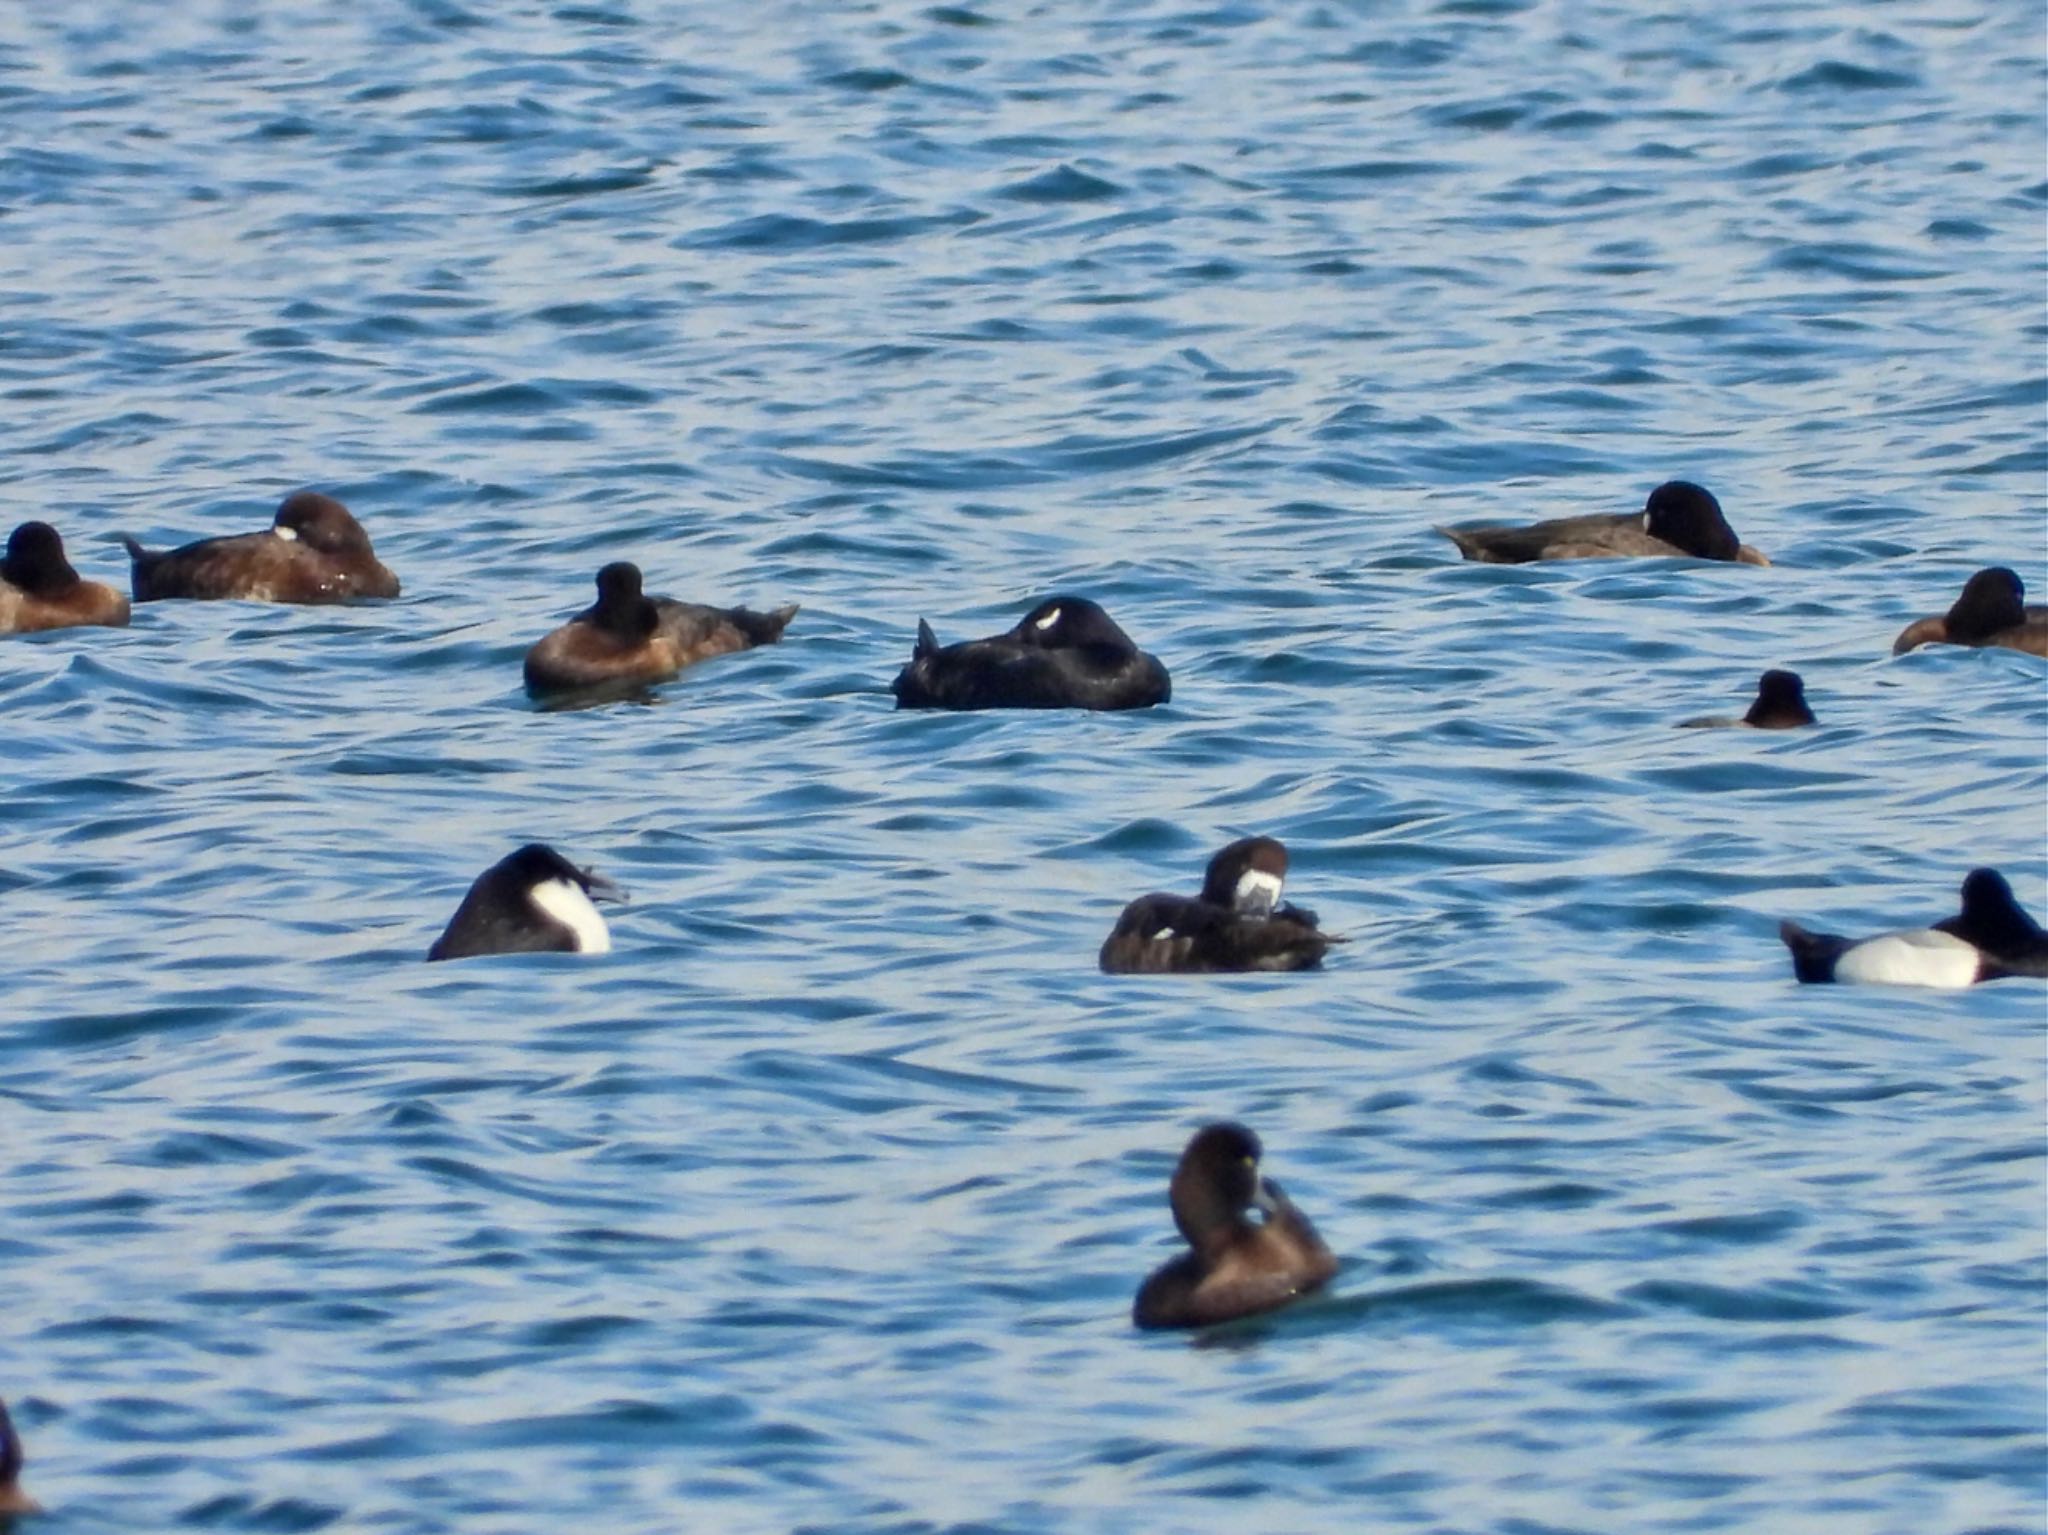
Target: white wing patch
[1257,893]
[1049,620]
[1920,958]
[565,901]
[1163,934]
[289,535]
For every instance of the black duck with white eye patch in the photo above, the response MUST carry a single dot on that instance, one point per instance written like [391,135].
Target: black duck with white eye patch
[1066,653]
[1780,704]
[1234,1266]
[1989,939]
[1237,924]
[529,902]
[1992,611]
[1679,520]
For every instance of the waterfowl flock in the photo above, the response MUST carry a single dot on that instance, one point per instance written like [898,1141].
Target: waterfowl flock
[1249,1250]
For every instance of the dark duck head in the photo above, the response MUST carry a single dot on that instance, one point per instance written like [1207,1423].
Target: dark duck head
[1247,876]
[1780,702]
[1688,517]
[35,561]
[621,608]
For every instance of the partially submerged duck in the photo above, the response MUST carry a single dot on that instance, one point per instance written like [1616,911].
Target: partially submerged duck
[627,639]
[315,551]
[1780,704]
[1680,519]
[1237,923]
[1992,610]
[1989,939]
[530,902]
[39,589]
[12,1499]
[1066,653]
[1234,1267]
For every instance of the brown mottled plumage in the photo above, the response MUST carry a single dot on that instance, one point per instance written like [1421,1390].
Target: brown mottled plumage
[315,551]
[1236,924]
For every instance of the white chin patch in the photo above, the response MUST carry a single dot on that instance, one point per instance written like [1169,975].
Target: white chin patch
[565,901]
[1049,620]
[1923,958]
[289,535]
[1257,893]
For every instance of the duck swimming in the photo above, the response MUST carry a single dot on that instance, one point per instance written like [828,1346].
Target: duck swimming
[628,639]
[1992,611]
[12,1499]
[530,902]
[39,589]
[1679,519]
[1780,704]
[1234,1267]
[1989,939]
[1236,924]
[1066,653]
[315,551]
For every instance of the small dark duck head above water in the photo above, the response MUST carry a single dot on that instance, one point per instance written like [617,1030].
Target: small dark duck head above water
[1780,704]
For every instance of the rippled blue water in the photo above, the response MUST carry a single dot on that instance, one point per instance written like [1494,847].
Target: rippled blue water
[819,1204]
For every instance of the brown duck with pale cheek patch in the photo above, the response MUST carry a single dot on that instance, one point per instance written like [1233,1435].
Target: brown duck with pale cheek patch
[40,590]
[628,639]
[315,551]
[1992,611]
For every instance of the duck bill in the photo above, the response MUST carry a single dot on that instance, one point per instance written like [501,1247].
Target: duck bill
[600,887]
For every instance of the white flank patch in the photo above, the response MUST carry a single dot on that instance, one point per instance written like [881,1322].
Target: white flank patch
[1163,934]
[1921,958]
[1257,893]
[1049,620]
[289,535]
[565,901]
